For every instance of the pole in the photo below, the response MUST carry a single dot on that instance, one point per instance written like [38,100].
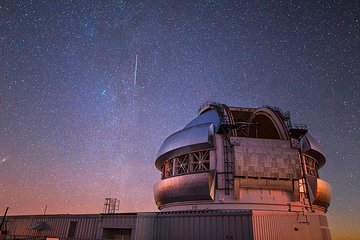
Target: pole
[45,209]
[3,219]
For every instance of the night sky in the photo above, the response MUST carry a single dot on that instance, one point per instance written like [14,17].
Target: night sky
[75,127]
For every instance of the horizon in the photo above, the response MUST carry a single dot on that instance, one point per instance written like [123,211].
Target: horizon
[90,90]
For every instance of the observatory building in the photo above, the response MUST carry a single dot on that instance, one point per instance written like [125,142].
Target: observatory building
[247,159]
[231,173]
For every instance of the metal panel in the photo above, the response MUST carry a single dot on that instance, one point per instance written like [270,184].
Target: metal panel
[118,221]
[323,193]
[319,191]
[286,185]
[190,187]
[187,140]
[312,148]
[145,226]
[88,226]
[210,116]
[184,225]
[209,225]
[266,158]
[295,226]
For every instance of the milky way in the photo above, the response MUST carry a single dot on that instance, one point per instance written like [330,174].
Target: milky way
[77,126]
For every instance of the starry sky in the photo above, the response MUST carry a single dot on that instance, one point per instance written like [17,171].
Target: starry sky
[75,127]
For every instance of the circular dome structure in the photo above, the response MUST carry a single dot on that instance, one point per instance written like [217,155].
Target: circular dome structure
[246,159]
[228,156]
[271,125]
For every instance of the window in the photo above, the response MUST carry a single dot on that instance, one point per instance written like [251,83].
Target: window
[201,161]
[187,163]
[311,166]
[181,164]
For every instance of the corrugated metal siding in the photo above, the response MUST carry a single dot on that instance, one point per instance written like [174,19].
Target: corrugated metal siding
[145,226]
[123,221]
[56,225]
[276,227]
[88,226]
[182,225]
[117,221]
[204,225]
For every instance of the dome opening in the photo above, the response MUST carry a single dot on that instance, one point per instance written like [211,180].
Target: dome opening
[265,128]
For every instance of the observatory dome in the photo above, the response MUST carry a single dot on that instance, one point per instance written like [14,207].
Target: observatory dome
[241,158]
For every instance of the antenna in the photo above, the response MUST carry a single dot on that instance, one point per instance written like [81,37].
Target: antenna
[111,205]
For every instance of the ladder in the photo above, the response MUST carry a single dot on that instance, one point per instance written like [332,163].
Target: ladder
[228,162]
[228,169]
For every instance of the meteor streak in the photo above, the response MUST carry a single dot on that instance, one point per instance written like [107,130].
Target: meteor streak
[136,62]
